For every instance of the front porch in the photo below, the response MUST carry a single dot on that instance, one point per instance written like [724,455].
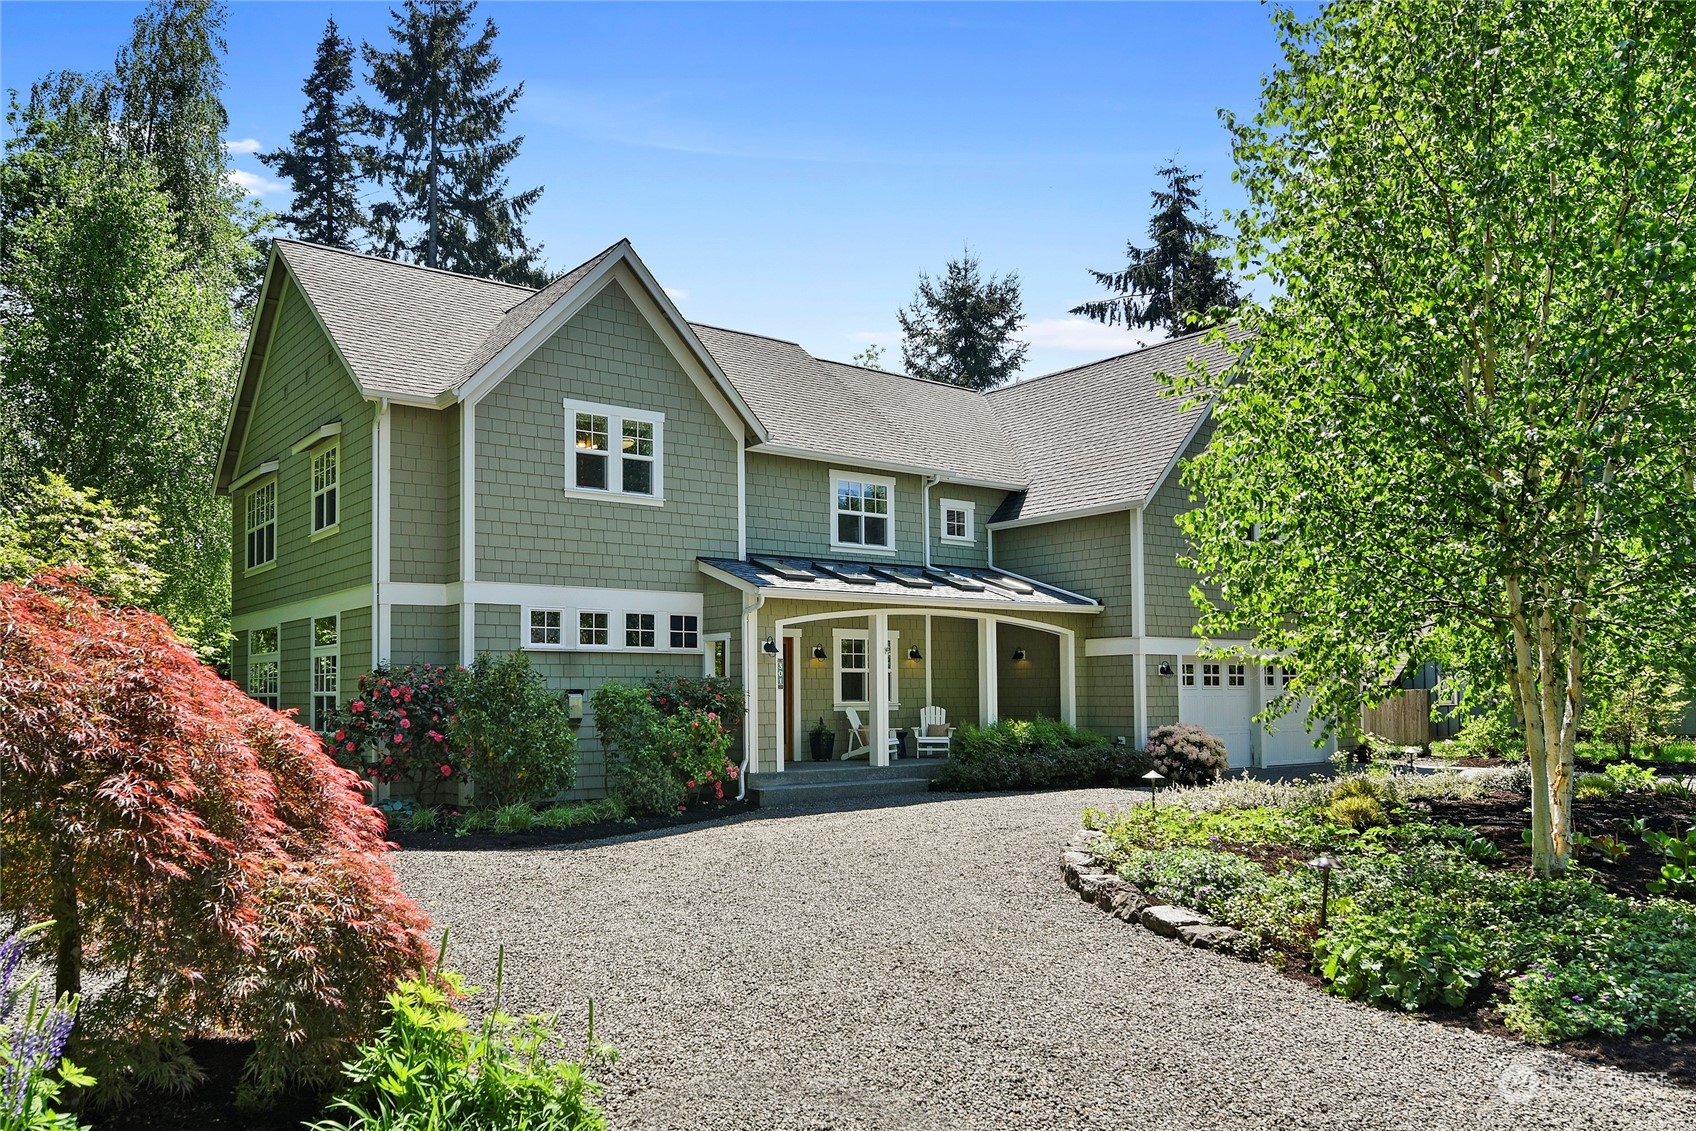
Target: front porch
[860,659]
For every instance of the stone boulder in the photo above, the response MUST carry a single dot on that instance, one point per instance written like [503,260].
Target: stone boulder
[1208,935]
[1168,919]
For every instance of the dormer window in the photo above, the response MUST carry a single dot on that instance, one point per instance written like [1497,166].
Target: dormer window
[959,522]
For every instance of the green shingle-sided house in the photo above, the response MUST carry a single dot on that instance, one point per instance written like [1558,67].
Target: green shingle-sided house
[425,466]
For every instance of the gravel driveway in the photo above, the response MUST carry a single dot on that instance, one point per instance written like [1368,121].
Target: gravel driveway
[922,966]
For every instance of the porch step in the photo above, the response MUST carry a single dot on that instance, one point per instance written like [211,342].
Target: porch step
[817,772]
[804,789]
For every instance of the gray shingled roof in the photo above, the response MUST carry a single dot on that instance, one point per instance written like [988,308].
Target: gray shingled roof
[864,414]
[515,321]
[924,586]
[404,330]
[1101,434]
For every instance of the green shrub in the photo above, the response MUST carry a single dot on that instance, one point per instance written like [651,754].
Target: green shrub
[430,1069]
[1035,754]
[1405,957]
[1630,778]
[514,730]
[666,742]
[423,819]
[1489,734]
[1186,753]
[1590,787]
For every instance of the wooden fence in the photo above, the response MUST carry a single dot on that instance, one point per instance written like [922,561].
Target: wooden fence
[1403,719]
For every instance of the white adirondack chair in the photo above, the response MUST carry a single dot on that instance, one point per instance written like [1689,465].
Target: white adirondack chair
[929,744]
[859,739]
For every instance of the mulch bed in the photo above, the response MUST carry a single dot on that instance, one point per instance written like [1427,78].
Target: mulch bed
[211,1106]
[539,837]
[1502,818]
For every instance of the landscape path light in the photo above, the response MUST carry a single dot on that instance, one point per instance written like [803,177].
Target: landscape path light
[1153,778]
[1324,863]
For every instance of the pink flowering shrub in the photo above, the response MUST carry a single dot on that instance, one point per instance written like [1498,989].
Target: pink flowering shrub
[668,741]
[1186,753]
[397,728]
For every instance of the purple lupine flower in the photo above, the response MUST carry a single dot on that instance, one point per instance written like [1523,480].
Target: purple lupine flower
[11,958]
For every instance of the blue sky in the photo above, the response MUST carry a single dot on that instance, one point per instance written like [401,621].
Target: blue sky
[789,169]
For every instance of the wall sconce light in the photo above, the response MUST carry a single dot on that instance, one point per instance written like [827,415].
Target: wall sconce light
[1018,655]
[818,651]
[913,653]
[769,647]
[1165,668]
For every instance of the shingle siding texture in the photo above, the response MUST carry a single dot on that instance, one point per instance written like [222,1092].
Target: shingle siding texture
[304,387]
[424,494]
[986,500]
[529,530]
[424,634]
[1169,610]
[1091,556]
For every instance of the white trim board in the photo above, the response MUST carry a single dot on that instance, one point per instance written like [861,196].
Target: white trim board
[341,602]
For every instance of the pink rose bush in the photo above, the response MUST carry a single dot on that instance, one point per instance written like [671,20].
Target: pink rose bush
[374,734]
[1186,753]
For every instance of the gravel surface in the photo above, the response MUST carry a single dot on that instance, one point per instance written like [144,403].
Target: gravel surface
[922,966]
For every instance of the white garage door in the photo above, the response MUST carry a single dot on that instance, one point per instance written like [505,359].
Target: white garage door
[1289,743]
[1218,696]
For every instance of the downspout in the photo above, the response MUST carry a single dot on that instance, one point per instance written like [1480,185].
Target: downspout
[929,482]
[750,718]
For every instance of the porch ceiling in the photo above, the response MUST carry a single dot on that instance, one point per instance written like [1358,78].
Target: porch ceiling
[828,579]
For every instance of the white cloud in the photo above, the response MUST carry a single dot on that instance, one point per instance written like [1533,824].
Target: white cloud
[678,294]
[242,145]
[252,183]
[1085,336]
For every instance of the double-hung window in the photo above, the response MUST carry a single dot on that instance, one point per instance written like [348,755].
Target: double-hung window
[638,630]
[262,525]
[863,512]
[614,451]
[959,521]
[326,477]
[264,663]
[326,661]
[854,668]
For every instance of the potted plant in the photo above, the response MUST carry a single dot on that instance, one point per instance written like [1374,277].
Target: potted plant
[823,741]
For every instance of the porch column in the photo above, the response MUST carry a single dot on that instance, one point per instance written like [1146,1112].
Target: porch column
[1068,678]
[989,680]
[930,700]
[877,674]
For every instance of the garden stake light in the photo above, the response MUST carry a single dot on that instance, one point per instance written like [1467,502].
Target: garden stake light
[1324,862]
[1153,778]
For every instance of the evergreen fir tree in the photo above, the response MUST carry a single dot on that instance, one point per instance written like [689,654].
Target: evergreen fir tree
[441,150]
[959,329]
[1177,284]
[319,162]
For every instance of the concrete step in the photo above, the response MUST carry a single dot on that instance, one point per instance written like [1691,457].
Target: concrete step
[801,790]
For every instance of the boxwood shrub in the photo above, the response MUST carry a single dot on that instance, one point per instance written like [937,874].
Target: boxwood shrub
[1036,754]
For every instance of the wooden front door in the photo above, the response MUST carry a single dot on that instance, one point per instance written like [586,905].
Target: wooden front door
[787,678]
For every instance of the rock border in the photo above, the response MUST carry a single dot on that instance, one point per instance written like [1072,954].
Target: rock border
[1096,884]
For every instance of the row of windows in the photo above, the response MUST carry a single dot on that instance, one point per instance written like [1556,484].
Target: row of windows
[1235,675]
[262,507]
[265,659]
[595,629]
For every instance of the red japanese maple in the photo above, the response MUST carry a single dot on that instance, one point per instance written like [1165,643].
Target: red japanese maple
[200,849]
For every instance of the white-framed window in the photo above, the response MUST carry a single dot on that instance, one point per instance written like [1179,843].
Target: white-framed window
[863,512]
[715,660]
[1189,675]
[326,477]
[1238,675]
[545,628]
[592,630]
[959,521]
[264,665]
[614,451]
[638,630]
[326,664]
[685,631]
[1278,675]
[262,525]
[853,668]
[1210,675]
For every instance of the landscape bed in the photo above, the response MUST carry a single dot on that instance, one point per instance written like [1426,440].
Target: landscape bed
[1432,906]
[541,835]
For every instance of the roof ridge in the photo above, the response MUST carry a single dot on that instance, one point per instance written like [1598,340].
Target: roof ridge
[752,334]
[1101,360]
[833,361]
[589,262]
[414,266]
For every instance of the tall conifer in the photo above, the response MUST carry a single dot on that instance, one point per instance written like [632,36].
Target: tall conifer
[319,162]
[440,147]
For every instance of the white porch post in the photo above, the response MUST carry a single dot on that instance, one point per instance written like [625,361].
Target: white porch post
[751,687]
[930,700]
[989,682]
[778,697]
[878,675]
[1068,678]
[1139,676]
